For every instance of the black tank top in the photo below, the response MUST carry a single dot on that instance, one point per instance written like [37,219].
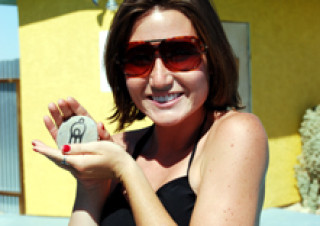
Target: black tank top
[177,196]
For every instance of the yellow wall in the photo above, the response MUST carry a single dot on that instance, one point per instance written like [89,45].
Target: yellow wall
[60,58]
[285,54]
[59,43]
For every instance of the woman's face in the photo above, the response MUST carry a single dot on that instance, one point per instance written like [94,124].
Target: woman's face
[168,97]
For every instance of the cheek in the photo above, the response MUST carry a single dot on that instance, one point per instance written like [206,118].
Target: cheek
[131,87]
[204,87]
[135,87]
[203,80]
[206,77]
[197,87]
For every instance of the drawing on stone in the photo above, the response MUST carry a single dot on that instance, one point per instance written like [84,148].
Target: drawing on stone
[77,131]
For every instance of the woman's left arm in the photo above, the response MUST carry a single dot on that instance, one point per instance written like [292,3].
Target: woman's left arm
[102,160]
[235,159]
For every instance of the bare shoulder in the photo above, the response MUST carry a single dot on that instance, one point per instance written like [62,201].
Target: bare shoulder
[244,126]
[234,119]
[237,133]
[234,154]
[128,139]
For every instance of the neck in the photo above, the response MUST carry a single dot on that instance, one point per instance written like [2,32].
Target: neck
[177,140]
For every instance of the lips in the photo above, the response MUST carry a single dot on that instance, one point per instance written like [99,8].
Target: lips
[165,98]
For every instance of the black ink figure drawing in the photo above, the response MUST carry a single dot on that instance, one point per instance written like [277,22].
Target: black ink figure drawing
[77,131]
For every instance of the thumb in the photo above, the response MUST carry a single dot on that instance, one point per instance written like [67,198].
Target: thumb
[90,148]
[103,133]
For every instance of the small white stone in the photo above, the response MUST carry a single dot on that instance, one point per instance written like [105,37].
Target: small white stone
[77,129]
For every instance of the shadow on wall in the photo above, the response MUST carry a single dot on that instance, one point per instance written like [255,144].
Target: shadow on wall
[283,120]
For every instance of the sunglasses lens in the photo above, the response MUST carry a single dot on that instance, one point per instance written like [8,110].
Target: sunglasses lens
[177,54]
[181,55]
[138,60]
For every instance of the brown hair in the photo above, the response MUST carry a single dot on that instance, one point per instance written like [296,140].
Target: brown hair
[223,74]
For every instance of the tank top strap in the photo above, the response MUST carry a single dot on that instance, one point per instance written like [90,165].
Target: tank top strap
[141,142]
[195,145]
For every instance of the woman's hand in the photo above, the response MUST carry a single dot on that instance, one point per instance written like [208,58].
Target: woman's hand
[88,161]
[94,165]
[63,111]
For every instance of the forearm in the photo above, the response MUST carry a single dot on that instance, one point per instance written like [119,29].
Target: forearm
[146,207]
[82,217]
[87,206]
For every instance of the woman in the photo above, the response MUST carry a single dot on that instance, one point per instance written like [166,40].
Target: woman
[202,162]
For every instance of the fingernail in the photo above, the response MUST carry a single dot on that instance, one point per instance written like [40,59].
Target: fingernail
[33,143]
[35,150]
[66,148]
[102,126]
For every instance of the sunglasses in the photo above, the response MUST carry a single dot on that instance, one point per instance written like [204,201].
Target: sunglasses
[177,54]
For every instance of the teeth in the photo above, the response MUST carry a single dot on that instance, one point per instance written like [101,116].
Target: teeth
[163,99]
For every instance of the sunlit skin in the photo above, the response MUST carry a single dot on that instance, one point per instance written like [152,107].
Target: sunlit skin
[187,91]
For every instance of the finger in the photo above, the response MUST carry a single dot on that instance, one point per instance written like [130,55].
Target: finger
[51,127]
[55,113]
[79,149]
[76,107]
[65,109]
[53,154]
[91,148]
[56,156]
[74,164]
[102,132]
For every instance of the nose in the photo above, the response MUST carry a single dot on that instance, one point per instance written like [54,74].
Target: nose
[160,77]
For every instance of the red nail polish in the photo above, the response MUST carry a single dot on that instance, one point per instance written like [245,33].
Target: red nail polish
[66,148]
[35,150]
[102,127]
[33,143]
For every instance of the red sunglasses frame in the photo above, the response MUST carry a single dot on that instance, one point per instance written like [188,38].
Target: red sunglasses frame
[195,41]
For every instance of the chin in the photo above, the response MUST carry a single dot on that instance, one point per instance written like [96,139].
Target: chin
[165,124]
[167,120]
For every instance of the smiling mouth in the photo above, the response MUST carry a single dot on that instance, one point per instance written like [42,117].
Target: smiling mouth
[166,98]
